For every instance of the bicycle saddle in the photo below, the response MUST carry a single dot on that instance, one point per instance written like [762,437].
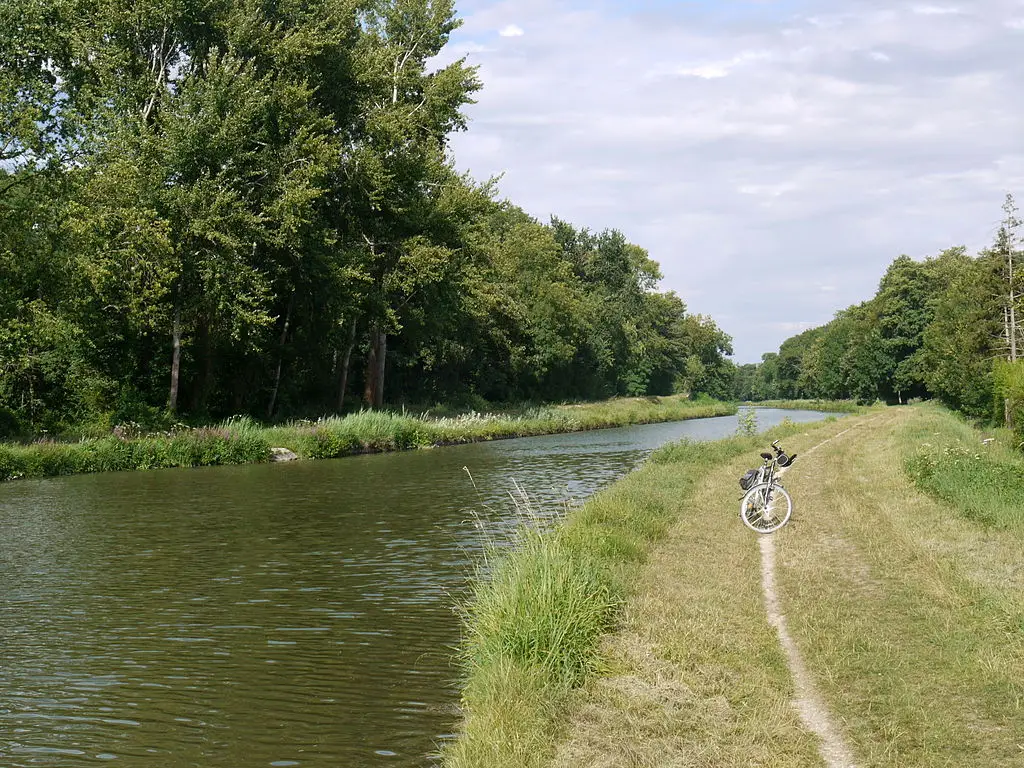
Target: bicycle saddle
[766,456]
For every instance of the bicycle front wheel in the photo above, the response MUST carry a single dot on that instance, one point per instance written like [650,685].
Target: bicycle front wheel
[766,507]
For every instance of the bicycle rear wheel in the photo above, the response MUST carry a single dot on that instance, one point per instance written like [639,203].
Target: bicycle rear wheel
[766,507]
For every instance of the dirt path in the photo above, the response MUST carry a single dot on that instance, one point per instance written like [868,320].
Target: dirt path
[809,703]
[808,700]
[696,676]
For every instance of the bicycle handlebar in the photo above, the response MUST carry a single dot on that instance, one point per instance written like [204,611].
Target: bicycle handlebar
[780,455]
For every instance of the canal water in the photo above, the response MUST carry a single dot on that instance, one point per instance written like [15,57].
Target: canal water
[274,615]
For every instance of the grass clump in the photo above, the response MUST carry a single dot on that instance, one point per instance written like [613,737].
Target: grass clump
[361,432]
[207,446]
[544,609]
[981,478]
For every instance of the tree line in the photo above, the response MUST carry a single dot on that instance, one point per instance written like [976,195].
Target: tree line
[211,207]
[947,327]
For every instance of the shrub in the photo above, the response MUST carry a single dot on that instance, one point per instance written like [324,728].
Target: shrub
[11,464]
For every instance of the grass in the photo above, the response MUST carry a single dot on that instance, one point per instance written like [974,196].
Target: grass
[981,478]
[241,440]
[539,623]
[906,605]
[224,444]
[834,406]
[905,601]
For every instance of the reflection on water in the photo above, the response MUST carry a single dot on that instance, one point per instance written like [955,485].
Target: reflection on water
[274,615]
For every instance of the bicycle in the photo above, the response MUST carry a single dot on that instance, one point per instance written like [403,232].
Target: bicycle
[766,506]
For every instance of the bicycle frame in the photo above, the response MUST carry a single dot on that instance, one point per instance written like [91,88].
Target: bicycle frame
[766,506]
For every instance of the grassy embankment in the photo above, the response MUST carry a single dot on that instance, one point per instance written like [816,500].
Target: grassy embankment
[535,626]
[829,406]
[242,441]
[899,575]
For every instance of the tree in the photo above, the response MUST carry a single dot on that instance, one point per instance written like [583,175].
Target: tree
[398,165]
[1007,251]
[962,340]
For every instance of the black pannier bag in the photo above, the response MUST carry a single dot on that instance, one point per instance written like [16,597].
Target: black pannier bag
[748,479]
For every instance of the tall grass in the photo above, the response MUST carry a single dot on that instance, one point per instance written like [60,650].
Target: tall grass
[520,613]
[240,440]
[833,406]
[223,444]
[535,620]
[981,477]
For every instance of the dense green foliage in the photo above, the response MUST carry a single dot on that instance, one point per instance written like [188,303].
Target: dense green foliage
[233,206]
[935,328]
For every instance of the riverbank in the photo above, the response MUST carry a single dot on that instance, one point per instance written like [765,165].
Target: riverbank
[536,628]
[902,599]
[243,441]
[828,406]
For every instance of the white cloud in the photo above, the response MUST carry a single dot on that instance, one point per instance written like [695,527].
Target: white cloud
[936,10]
[793,327]
[764,155]
[512,30]
[708,71]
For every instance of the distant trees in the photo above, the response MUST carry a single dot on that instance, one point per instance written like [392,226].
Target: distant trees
[935,328]
[226,206]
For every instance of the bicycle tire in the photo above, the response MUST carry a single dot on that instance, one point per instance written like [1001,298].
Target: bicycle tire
[766,507]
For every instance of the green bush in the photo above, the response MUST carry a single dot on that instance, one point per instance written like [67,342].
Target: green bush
[11,464]
[50,459]
[328,443]
[10,426]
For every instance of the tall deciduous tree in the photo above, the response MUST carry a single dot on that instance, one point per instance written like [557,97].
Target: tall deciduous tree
[398,164]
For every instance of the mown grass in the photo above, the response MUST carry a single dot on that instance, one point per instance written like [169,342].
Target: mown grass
[908,612]
[907,605]
[241,440]
[537,619]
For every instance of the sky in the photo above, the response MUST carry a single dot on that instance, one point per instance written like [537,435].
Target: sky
[773,156]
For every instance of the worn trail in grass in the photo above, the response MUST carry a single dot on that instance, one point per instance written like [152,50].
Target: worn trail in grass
[906,611]
[695,676]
